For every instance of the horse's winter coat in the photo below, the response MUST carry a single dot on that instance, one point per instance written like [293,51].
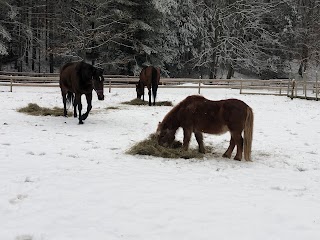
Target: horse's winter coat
[79,78]
[198,115]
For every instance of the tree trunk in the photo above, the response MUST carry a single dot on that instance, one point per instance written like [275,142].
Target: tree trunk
[230,71]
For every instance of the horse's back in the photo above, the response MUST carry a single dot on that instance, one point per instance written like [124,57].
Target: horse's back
[214,117]
[235,113]
[67,73]
[158,74]
[67,65]
[201,103]
[67,70]
[147,73]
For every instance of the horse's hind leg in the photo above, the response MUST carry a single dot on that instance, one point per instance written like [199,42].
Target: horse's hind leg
[64,100]
[228,153]
[239,143]
[149,93]
[75,109]
[78,103]
[89,106]
[186,138]
[199,138]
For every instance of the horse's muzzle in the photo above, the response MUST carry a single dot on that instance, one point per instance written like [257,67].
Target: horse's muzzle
[100,94]
[100,97]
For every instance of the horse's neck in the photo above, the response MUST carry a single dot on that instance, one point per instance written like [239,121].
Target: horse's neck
[172,122]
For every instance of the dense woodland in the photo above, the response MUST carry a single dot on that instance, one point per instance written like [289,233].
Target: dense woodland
[189,38]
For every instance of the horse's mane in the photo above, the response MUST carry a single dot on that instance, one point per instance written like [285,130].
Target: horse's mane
[170,119]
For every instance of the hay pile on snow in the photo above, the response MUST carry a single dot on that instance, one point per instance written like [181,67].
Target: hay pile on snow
[35,110]
[140,102]
[151,147]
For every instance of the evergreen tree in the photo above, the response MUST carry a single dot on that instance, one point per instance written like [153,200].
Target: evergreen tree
[5,36]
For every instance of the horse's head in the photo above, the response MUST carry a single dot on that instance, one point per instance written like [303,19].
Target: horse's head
[139,89]
[90,77]
[97,77]
[165,136]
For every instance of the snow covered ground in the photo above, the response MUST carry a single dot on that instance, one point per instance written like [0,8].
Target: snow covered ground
[64,181]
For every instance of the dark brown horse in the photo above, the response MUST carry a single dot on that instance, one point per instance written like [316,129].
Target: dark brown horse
[79,78]
[150,77]
[199,115]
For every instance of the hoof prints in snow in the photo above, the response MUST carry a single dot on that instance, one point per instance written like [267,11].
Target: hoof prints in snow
[19,198]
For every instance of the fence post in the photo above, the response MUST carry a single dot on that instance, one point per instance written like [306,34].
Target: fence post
[240,86]
[305,84]
[289,81]
[317,89]
[11,83]
[280,88]
[199,87]
[293,87]
[109,85]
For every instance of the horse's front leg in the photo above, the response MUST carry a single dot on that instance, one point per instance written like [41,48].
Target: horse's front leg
[75,109]
[89,106]
[78,103]
[186,138]
[199,138]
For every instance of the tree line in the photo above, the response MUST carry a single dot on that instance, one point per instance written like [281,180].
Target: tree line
[186,38]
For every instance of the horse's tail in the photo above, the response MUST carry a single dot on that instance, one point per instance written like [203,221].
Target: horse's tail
[248,132]
[70,99]
[154,83]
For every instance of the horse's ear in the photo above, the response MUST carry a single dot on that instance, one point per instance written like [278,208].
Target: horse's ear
[159,126]
[100,70]
[158,129]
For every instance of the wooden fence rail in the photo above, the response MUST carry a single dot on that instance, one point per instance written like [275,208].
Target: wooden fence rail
[281,87]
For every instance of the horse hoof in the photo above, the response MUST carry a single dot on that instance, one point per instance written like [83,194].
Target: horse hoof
[225,156]
[237,159]
[81,122]
[202,151]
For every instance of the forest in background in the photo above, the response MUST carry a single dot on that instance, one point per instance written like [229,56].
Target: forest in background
[186,38]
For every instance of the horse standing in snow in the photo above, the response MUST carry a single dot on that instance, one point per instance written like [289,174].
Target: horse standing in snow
[150,77]
[199,115]
[79,78]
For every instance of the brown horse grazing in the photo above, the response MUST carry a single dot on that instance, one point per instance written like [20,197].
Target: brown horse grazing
[199,115]
[79,78]
[150,77]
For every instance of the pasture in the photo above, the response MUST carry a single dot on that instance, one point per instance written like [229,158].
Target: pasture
[61,180]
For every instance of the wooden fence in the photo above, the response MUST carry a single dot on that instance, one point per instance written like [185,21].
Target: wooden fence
[304,88]
[280,87]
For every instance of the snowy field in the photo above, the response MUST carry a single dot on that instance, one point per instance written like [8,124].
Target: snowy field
[64,181]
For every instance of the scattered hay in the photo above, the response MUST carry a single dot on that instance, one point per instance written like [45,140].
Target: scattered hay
[151,147]
[140,102]
[112,108]
[35,110]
